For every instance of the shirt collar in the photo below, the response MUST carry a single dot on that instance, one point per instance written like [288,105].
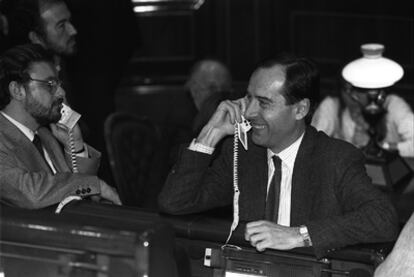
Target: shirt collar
[26,131]
[288,155]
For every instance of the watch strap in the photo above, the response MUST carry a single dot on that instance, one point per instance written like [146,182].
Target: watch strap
[303,230]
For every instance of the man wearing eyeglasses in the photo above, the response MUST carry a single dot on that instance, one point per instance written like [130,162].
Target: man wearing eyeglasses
[48,23]
[37,174]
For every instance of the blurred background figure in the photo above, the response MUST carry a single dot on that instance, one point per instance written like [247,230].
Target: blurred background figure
[208,77]
[4,29]
[209,83]
[344,115]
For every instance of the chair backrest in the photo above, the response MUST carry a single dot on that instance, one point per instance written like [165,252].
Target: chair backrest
[132,144]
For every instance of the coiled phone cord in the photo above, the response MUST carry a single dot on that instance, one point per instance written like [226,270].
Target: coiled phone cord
[235,184]
[72,152]
[70,198]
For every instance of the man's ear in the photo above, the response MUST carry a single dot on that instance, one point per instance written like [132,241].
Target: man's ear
[302,108]
[17,91]
[35,38]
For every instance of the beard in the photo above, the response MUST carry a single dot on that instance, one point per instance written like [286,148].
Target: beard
[64,49]
[43,115]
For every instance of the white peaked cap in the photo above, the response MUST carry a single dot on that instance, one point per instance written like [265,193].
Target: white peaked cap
[372,70]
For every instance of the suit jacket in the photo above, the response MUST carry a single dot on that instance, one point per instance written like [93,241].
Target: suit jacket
[27,181]
[331,192]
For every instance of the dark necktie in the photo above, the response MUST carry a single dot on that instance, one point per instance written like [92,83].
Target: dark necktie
[36,141]
[272,201]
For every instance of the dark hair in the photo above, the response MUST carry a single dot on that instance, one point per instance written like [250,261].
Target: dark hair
[302,79]
[14,64]
[25,17]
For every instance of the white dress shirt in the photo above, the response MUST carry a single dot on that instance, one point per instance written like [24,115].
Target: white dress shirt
[30,135]
[288,157]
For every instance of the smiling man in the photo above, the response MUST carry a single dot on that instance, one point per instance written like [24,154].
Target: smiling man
[298,187]
[36,155]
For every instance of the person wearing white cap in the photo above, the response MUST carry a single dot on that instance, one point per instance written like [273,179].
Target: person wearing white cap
[342,117]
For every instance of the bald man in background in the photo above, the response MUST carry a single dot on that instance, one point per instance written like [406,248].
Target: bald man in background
[209,83]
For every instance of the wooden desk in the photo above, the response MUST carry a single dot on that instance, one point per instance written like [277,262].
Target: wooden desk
[40,243]
[88,239]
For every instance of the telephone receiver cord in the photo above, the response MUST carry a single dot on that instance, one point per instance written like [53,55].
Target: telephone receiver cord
[70,198]
[72,152]
[235,185]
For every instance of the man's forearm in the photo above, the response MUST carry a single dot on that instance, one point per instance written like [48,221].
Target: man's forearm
[209,136]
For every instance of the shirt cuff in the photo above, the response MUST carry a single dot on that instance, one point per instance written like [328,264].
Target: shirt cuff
[198,147]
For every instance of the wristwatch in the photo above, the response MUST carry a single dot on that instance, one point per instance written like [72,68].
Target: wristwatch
[386,146]
[303,231]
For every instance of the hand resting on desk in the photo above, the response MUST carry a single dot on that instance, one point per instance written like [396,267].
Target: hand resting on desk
[265,234]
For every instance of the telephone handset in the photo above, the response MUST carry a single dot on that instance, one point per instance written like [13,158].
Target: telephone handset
[69,119]
[242,129]
[240,134]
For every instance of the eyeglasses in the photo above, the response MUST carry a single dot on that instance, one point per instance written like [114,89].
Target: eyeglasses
[52,84]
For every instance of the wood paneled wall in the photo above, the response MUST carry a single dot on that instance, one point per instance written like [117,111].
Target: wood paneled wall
[244,32]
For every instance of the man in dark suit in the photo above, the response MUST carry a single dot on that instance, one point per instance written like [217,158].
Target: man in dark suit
[42,173]
[315,192]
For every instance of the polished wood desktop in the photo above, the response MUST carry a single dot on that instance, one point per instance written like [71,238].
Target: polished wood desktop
[90,239]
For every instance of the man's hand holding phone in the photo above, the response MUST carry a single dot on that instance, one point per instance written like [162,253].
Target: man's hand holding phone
[68,122]
[222,122]
[62,134]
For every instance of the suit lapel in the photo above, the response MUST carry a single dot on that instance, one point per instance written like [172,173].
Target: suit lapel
[22,146]
[54,150]
[302,185]
[28,153]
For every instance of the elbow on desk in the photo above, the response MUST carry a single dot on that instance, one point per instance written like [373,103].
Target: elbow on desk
[166,206]
[28,203]
[171,206]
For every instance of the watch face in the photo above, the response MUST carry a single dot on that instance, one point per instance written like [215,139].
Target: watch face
[303,230]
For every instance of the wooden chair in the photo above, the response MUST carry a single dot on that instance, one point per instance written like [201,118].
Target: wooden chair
[132,144]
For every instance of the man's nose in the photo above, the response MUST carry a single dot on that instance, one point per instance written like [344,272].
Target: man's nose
[251,109]
[60,92]
[71,29]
